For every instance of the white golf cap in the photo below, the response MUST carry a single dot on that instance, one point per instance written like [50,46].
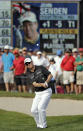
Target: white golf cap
[27,60]
[29,16]
[39,53]
[20,50]
[6,47]
[74,50]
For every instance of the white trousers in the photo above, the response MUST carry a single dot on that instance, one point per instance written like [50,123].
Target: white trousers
[39,105]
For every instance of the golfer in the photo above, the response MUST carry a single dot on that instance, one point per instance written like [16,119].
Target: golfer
[40,78]
[31,38]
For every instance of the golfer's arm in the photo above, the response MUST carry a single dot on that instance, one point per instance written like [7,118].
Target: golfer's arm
[43,84]
[49,78]
[38,84]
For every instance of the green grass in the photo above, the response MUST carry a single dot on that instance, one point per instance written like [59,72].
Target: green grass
[29,95]
[12,121]
[16,94]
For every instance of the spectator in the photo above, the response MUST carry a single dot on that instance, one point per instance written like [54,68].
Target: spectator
[19,68]
[79,67]
[34,55]
[52,69]
[7,59]
[75,54]
[44,54]
[40,60]
[11,49]
[58,60]
[59,75]
[25,55]
[20,52]
[67,66]
[24,52]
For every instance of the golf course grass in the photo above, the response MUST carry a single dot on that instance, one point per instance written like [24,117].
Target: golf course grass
[31,95]
[12,121]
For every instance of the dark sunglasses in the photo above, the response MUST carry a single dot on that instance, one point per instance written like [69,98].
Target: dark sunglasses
[75,52]
[27,63]
[25,50]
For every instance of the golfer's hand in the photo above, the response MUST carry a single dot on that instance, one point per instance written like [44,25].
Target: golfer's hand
[35,84]
[45,85]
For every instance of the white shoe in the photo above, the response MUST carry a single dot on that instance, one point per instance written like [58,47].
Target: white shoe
[41,127]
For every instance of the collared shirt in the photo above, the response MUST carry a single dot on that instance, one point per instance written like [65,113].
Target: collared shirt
[52,69]
[42,61]
[19,65]
[39,75]
[7,60]
[79,67]
[31,46]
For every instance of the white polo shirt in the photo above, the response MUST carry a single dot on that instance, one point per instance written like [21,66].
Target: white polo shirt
[41,61]
[58,61]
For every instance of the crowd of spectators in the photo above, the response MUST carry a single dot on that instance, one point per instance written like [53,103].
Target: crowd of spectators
[66,69]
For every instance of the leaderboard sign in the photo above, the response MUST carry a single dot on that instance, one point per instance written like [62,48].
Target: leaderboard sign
[58,26]
[5,23]
[58,23]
